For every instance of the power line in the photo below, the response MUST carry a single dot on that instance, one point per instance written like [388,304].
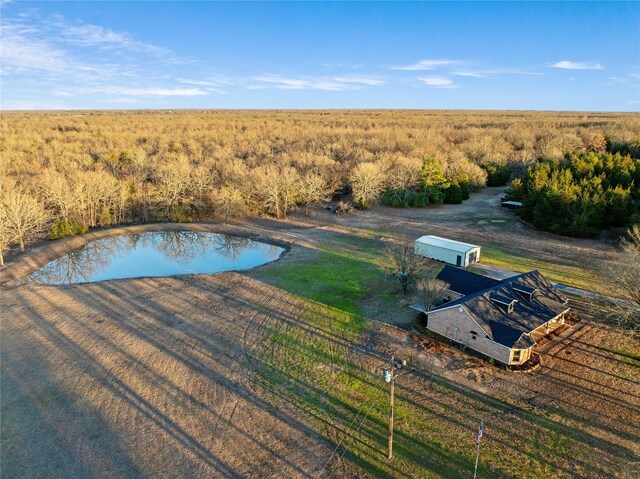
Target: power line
[344,436]
[345,449]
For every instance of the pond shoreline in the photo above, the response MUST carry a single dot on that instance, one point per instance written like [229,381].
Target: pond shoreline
[25,263]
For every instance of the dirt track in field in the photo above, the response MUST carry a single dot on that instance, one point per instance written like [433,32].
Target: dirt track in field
[479,220]
[144,378]
[160,377]
[157,377]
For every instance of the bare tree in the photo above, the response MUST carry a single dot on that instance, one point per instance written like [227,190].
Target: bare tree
[625,275]
[174,180]
[367,181]
[228,202]
[58,193]
[405,172]
[430,292]
[313,188]
[275,189]
[93,191]
[200,185]
[6,235]
[24,216]
[404,264]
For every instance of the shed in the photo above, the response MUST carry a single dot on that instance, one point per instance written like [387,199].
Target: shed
[511,204]
[447,250]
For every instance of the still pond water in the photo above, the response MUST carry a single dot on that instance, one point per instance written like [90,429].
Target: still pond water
[163,253]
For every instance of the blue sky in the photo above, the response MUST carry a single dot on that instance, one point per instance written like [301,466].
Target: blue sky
[539,56]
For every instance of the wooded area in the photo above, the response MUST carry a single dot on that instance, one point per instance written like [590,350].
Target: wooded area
[581,195]
[64,172]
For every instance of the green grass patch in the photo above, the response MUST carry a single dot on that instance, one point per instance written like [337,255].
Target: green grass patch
[331,279]
[312,369]
[340,275]
[576,276]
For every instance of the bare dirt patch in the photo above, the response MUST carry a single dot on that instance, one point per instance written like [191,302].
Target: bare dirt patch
[146,378]
[234,376]
[481,220]
[226,376]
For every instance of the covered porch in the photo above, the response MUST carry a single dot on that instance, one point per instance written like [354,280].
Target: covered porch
[548,327]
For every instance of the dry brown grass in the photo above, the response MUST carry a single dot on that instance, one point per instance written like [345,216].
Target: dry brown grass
[225,376]
[138,378]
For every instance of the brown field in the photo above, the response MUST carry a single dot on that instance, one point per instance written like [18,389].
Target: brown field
[229,376]
[138,378]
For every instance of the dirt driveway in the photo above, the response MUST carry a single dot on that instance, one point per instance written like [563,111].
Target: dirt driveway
[479,220]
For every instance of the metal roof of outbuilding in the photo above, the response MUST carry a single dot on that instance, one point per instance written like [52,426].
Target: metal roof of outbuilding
[445,243]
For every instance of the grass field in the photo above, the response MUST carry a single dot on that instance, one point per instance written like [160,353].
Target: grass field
[277,373]
[558,272]
[420,428]
[152,360]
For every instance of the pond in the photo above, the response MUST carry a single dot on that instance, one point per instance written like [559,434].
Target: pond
[163,253]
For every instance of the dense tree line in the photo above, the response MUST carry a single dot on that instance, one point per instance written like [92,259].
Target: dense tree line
[62,173]
[580,195]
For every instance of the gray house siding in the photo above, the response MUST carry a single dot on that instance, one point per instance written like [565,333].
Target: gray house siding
[454,323]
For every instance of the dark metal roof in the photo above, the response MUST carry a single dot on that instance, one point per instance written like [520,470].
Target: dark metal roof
[525,342]
[501,299]
[524,289]
[507,328]
[465,282]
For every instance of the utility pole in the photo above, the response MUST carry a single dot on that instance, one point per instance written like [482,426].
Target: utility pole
[390,377]
[391,394]
[480,431]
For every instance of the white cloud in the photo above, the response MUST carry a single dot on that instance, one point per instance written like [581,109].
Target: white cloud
[494,72]
[124,100]
[635,75]
[21,52]
[428,65]
[157,91]
[31,105]
[215,83]
[126,91]
[569,65]
[210,85]
[470,74]
[363,81]
[309,83]
[32,43]
[437,82]
[90,35]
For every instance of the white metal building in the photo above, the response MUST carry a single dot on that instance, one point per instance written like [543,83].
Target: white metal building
[447,250]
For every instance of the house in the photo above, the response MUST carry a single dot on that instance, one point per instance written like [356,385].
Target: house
[447,250]
[499,319]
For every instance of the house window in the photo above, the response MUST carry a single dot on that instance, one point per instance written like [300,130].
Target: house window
[474,335]
[516,355]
